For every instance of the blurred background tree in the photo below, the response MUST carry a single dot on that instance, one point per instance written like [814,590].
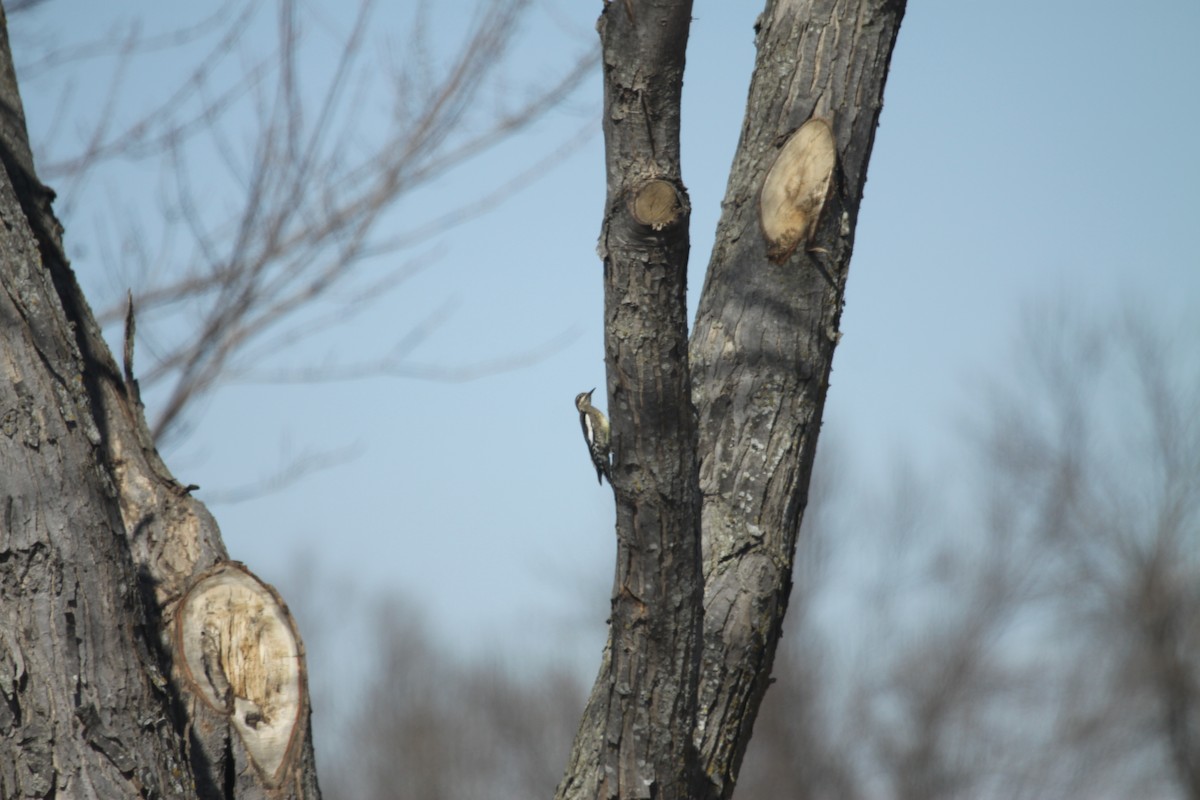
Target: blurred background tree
[1019,620]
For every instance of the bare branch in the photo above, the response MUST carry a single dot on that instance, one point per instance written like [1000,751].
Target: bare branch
[293,468]
[396,364]
[305,232]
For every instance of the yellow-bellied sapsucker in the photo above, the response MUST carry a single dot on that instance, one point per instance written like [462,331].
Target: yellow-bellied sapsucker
[596,432]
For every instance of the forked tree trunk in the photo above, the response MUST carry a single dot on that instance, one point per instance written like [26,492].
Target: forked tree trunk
[135,660]
[660,724]
[124,665]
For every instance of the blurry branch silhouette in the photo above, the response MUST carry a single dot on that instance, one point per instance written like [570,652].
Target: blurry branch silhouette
[293,467]
[1030,623]
[427,726]
[398,364]
[296,249]
[1109,463]
[18,6]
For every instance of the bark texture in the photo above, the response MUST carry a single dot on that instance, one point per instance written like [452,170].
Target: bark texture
[80,713]
[635,740]
[98,543]
[739,450]
[763,345]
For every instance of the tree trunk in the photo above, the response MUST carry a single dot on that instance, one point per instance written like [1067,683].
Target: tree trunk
[105,691]
[758,368]
[763,344]
[635,740]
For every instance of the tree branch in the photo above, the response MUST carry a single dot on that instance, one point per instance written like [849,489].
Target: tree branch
[635,740]
[764,339]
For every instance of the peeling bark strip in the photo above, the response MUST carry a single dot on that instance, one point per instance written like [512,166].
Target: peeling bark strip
[795,188]
[635,739]
[243,656]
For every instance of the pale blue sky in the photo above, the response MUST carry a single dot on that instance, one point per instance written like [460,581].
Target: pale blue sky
[1026,150]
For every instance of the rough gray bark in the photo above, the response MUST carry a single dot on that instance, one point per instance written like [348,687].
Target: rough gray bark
[636,736]
[98,543]
[758,368]
[763,344]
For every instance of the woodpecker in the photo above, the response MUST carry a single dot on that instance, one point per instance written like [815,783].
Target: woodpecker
[597,434]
